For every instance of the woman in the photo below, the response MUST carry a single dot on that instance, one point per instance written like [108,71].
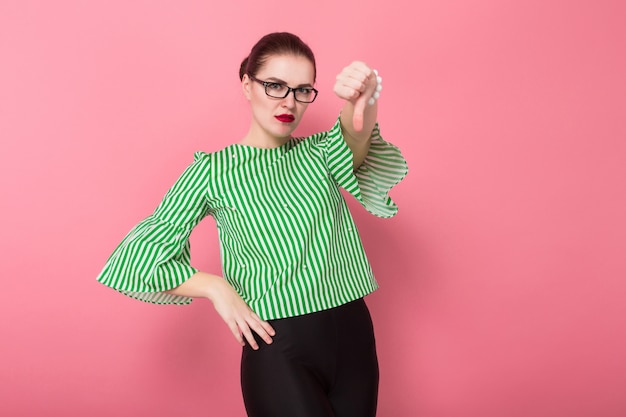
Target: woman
[295,272]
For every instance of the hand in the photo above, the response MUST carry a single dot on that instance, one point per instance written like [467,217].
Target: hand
[238,316]
[356,83]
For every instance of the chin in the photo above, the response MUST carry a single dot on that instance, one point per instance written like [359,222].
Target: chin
[282,134]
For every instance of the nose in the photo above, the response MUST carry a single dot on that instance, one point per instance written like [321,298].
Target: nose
[290,100]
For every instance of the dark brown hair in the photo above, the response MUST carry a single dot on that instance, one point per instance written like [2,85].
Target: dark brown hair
[278,43]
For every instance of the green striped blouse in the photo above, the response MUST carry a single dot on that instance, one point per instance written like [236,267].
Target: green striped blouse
[289,245]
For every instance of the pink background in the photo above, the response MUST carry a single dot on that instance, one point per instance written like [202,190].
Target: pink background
[503,276]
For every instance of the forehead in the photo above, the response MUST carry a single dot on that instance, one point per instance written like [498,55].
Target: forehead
[294,70]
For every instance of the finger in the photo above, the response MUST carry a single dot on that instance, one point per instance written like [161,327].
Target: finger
[235,330]
[346,92]
[262,333]
[245,329]
[356,82]
[359,67]
[262,328]
[360,72]
[266,326]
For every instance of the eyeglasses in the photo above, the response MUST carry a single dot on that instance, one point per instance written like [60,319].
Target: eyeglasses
[278,90]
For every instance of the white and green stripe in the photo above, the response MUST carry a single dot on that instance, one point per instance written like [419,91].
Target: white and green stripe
[289,245]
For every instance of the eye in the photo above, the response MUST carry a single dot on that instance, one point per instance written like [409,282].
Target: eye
[305,90]
[275,86]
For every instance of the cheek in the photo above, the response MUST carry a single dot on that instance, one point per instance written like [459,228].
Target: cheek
[259,106]
[302,110]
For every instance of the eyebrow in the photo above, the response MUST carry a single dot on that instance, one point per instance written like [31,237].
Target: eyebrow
[278,80]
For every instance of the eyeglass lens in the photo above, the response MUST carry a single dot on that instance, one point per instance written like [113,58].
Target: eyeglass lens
[303,94]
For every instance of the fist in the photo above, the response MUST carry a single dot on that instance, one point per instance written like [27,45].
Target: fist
[356,83]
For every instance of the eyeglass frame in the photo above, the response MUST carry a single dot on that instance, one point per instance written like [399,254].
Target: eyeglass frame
[289,89]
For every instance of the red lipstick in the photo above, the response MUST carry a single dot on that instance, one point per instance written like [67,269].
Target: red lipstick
[285,118]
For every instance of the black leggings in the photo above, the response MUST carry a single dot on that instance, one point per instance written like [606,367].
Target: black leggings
[319,365]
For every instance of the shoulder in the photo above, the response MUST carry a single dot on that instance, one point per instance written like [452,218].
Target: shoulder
[199,168]
[200,156]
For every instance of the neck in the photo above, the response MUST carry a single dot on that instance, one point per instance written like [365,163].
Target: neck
[260,139]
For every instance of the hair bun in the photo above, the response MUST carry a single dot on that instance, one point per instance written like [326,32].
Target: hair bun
[277,43]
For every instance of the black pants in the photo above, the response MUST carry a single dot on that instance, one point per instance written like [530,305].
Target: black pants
[322,364]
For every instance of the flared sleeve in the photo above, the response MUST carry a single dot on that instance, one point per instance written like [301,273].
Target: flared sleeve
[155,255]
[383,167]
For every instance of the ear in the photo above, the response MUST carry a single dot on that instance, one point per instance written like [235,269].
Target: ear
[246,86]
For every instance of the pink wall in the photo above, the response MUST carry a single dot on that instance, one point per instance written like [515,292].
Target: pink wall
[502,276]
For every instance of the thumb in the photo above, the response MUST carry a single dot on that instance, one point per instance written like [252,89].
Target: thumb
[357,115]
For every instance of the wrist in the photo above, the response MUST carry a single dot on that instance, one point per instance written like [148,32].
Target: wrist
[199,285]
[211,286]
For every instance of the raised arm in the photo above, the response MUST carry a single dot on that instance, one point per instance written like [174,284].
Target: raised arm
[356,84]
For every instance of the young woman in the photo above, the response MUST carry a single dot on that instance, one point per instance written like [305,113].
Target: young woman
[295,272]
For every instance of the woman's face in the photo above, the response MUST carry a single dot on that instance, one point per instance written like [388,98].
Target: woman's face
[276,118]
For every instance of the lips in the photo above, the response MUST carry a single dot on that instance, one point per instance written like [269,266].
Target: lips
[285,118]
